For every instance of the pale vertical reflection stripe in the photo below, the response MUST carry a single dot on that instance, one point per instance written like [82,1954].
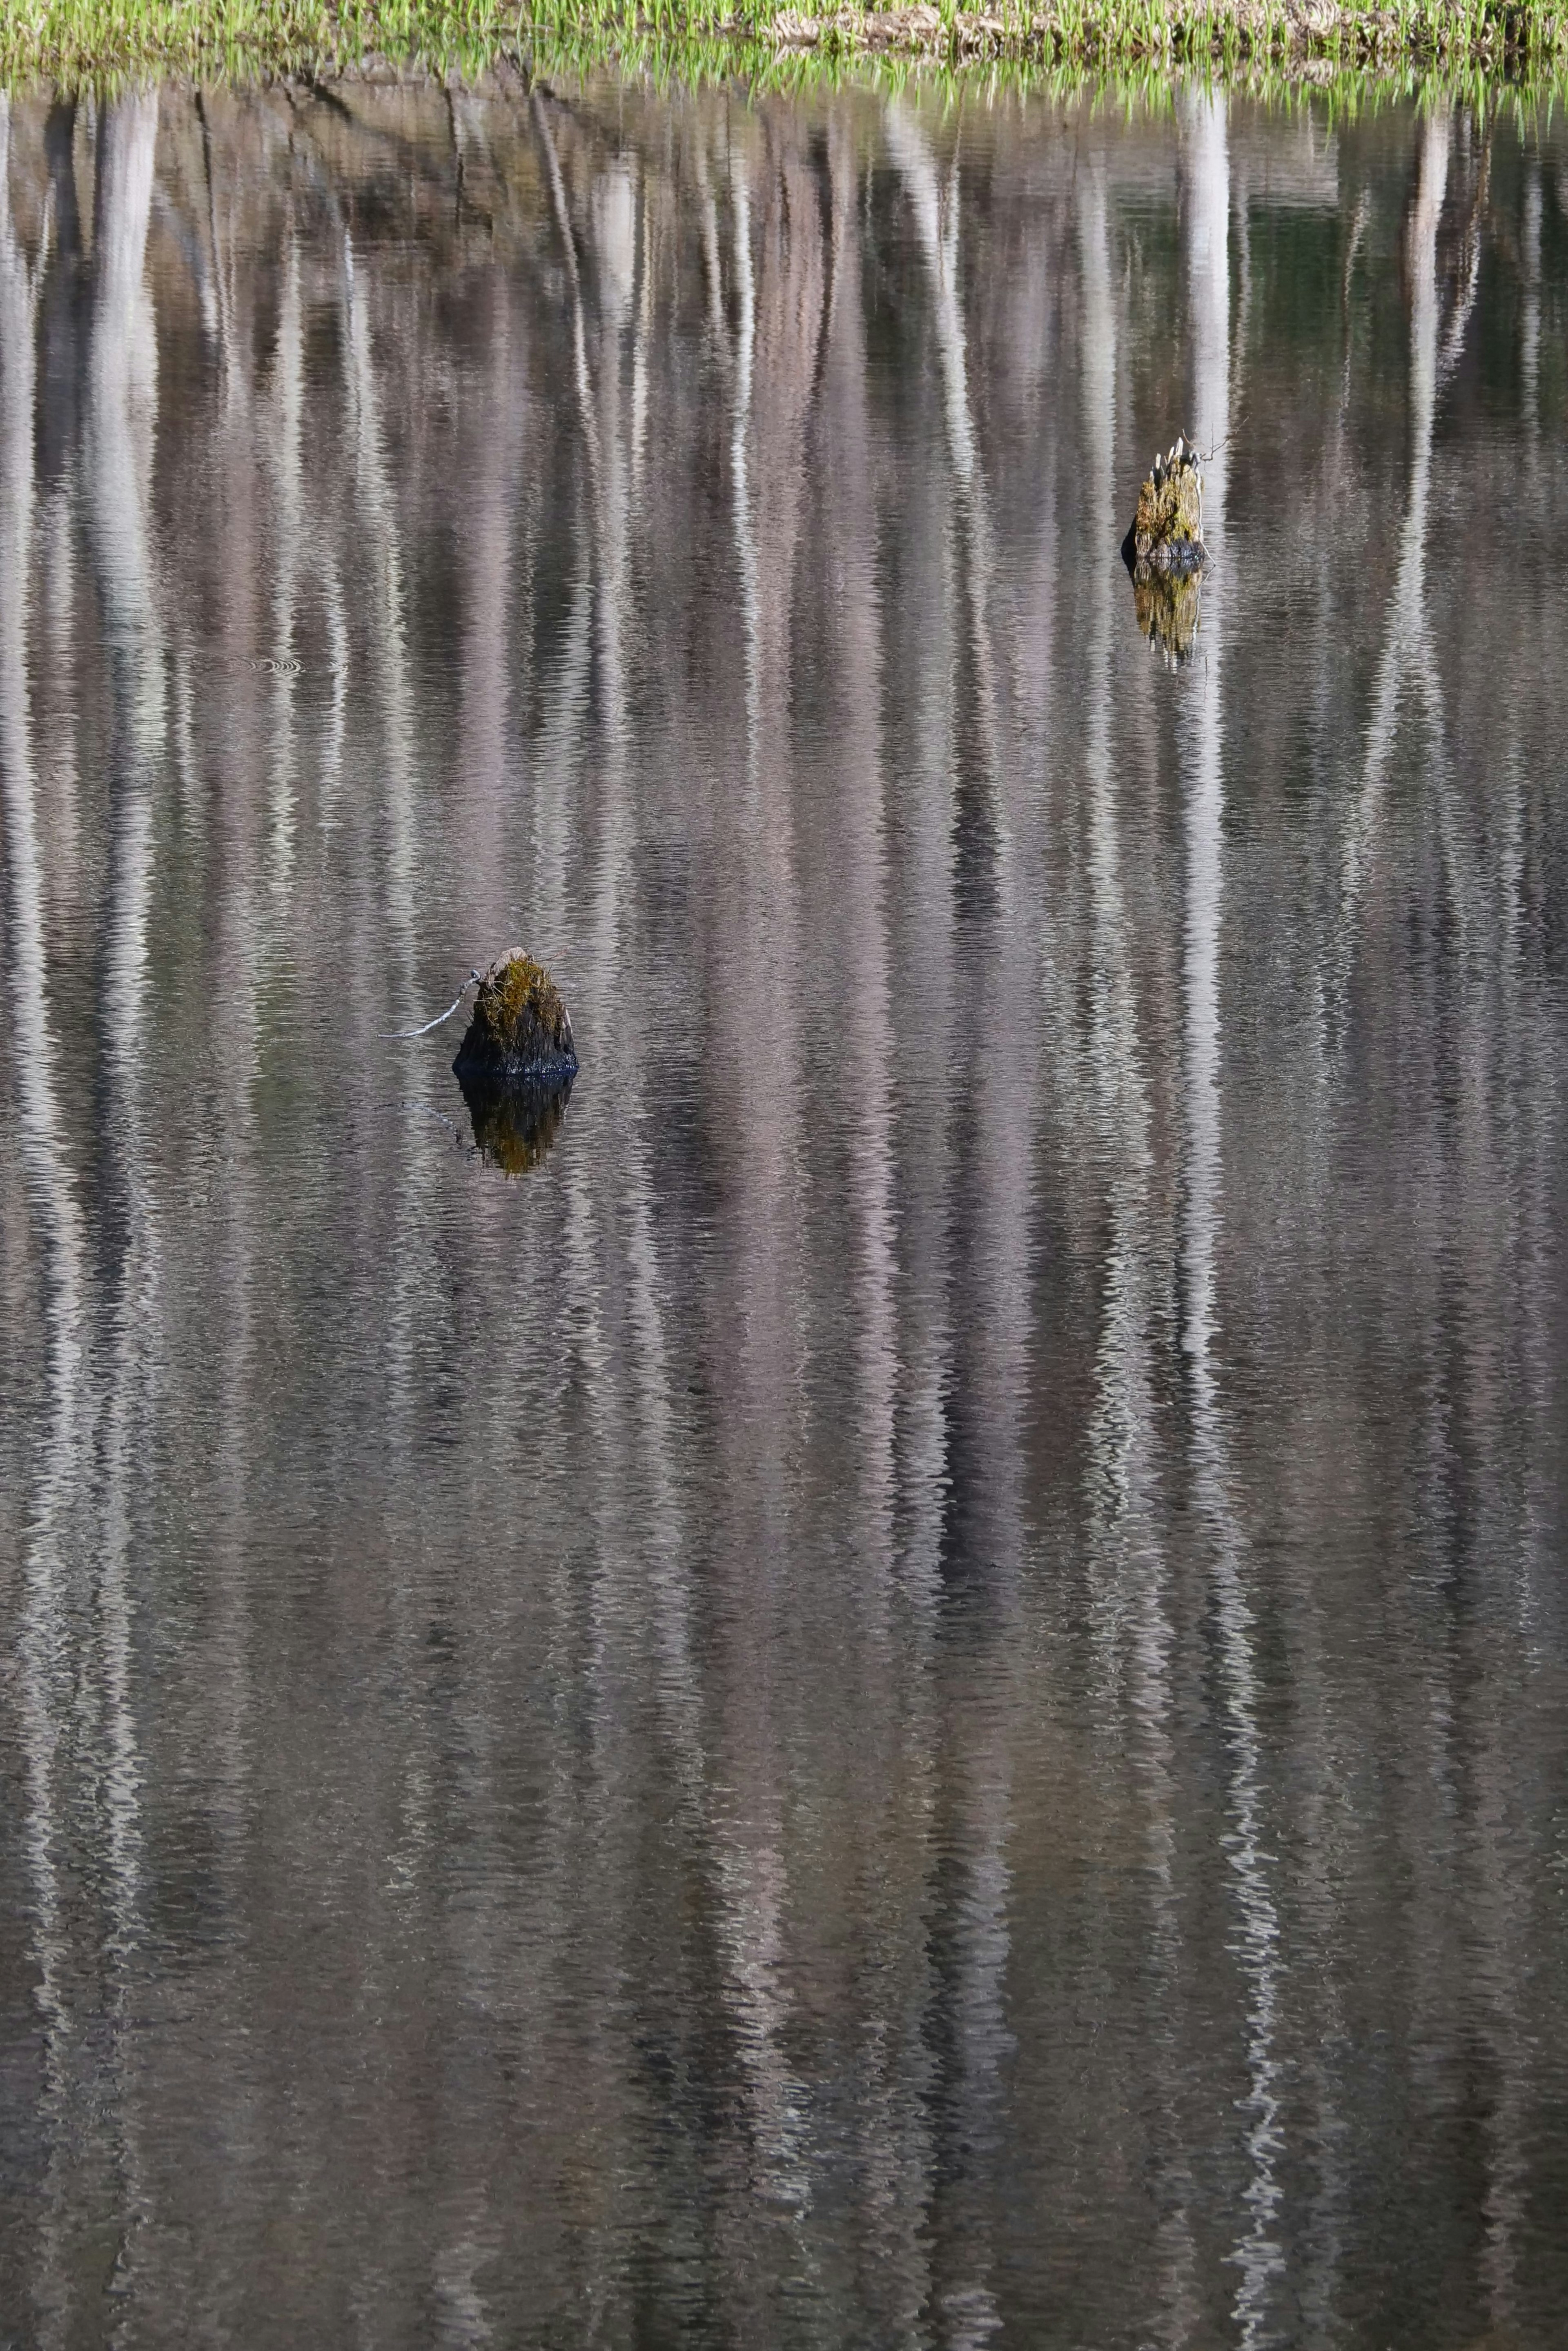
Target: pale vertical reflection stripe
[586,412]
[981,1932]
[894,2145]
[407,1865]
[500,420]
[117,491]
[489,842]
[117,488]
[1407,658]
[119,453]
[330,760]
[614,211]
[921,961]
[1119,1435]
[1530,352]
[925,816]
[56,528]
[222,269]
[283,427]
[863,931]
[638,1596]
[1132,1626]
[558,761]
[640,350]
[608,538]
[939,247]
[713,272]
[936,225]
[245,949]
[740,485]
[1258,2251]
[386,657]
[1453,341]
[750,1866]
[45,1670]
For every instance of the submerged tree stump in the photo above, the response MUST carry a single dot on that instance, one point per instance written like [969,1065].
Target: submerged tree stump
[517,1063]
[1167,529]
[1166,554]
[520,1032]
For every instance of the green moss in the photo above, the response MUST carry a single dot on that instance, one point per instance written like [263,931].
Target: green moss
[519,1022]
[511,993]
[1168,556]
[1170,505]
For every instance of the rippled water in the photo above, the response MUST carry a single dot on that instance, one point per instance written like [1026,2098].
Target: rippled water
[914,1692]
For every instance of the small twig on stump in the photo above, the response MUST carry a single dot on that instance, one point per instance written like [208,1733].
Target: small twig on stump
[399,1035]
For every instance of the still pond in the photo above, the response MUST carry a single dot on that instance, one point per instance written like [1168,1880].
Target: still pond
[908,1683]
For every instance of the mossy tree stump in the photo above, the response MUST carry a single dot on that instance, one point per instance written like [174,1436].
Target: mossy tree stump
[520,1032]
[1166,554]
[517,1063]
[1167,529]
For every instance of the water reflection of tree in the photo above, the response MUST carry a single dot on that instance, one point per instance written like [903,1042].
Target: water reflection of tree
[696,530]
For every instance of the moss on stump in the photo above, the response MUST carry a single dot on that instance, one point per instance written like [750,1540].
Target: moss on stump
[517,1063]
[520,1032]
[1166,554]
[1167,529]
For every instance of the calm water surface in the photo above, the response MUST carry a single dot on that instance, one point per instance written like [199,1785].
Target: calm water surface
[916,1693]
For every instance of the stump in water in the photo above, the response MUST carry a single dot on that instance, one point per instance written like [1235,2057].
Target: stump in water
[517,1063]
[1166,554]
[521,1032]
[1167,529]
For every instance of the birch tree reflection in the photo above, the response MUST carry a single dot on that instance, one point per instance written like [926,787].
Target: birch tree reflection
[914,1693]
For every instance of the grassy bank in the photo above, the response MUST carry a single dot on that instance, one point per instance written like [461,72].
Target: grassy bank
[76,42]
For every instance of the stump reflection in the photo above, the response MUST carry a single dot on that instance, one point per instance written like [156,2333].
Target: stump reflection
[515,1125]
[1166,605]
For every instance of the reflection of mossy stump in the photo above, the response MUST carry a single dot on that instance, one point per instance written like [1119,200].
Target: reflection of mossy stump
[515,1125]
[520,1032]
[1165,604]
[1166,554]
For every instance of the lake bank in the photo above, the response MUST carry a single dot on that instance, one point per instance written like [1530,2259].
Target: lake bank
[78,43]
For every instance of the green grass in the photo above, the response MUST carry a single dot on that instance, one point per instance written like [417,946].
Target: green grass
[1395,44]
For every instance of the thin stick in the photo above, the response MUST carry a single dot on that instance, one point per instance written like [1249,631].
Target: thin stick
[398,1035]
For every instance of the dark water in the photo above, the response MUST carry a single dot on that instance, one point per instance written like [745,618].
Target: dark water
[916,1692]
